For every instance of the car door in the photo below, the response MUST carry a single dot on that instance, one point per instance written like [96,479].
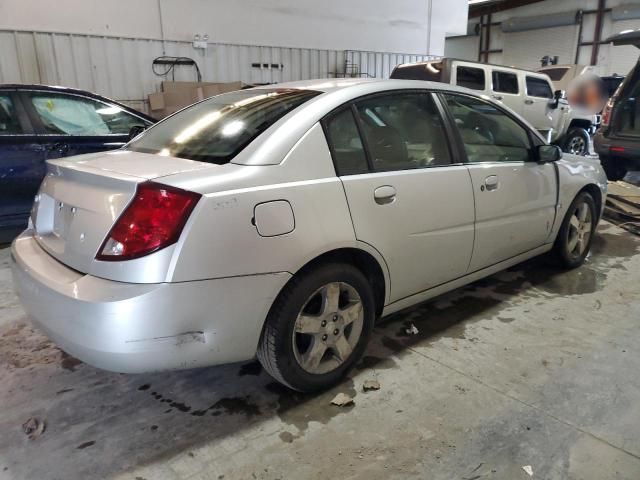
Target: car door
[505,88]
[406,199]
[72,124]
[21,162]
[537,103]
[515,196]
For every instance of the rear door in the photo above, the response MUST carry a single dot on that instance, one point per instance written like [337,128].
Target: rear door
[21,162]
[505,88]
[406,198]
[537,103]
[515,197]
[71,124]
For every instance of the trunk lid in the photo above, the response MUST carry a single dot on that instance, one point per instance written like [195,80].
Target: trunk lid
[81,198]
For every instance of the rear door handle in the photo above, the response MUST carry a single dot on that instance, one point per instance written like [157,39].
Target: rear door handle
[497,97]
[59,147]
[491,182]
[384,194]
[528,101]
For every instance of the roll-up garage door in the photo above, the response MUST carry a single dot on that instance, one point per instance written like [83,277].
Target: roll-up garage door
[527,39]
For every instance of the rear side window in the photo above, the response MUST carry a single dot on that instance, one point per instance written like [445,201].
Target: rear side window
[538,87]
[9,123]
[345,143]
[470,77]
[74,115]
[403,131]
[504,82]
[217,129]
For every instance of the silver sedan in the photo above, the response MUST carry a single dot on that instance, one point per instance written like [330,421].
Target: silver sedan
[282,222]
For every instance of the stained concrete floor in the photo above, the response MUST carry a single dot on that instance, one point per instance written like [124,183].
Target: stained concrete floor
[530,367]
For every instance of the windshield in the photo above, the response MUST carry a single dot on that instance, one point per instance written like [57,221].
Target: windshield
[216,130]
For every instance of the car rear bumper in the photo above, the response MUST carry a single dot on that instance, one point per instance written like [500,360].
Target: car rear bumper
[136,328]
[624,149]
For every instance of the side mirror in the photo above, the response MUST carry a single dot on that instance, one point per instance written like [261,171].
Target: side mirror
[548,153]
[135,131]
[557,96]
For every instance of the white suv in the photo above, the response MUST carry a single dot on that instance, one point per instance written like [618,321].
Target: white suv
[527,93]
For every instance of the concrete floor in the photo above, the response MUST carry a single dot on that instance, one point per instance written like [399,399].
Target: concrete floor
[530,367]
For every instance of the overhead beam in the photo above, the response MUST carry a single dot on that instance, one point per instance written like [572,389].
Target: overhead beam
[497,6]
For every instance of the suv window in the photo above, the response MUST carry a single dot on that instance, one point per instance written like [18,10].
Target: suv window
[488,134]
[217,129]
[470,77]
[504,82]
[403,131]
[345,143]
[538,87]
[9,123]
[75,115]
[626,119]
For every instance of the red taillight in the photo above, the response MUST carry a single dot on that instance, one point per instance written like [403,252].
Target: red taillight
[153,220]
[606,113]
[616,149]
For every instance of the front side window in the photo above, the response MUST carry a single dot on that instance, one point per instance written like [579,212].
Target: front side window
[345,143]
[470,77]
[217,129]
[488,134]
[538,87]
[403,131]
[9,123]
[63,114]
[504,82]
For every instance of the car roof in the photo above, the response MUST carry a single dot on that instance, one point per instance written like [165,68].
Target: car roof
[483,64]
[366,85]
[75,91]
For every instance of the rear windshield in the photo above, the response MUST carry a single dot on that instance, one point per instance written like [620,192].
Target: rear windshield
[217,129]
[431,71]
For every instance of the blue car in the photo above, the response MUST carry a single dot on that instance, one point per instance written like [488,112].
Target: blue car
[38,123]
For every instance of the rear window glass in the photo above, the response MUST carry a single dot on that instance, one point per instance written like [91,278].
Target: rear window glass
[555,74]
[538,87]
[8,119]
[470,77]
[217,129]
[505,82]
[431,72]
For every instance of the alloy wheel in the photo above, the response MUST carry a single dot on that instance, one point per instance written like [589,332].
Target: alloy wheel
[577,146]
[579,232]
[328,328]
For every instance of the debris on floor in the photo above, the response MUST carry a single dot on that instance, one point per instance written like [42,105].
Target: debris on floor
[411,330]
[528,469]
[33,428]
[623,205]
[370,385]
[342,400]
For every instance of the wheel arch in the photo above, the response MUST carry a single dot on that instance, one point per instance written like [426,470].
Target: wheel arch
[593,190]
[580,123]
[369,263]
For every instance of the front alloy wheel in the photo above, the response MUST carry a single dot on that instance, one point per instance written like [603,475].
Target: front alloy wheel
[577,230]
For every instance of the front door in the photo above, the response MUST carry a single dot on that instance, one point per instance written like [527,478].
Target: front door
[405,197]
[515,197]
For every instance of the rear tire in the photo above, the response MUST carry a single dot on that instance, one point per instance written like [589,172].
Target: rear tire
[318,327]
[614,168]
[576,141]
[576,233]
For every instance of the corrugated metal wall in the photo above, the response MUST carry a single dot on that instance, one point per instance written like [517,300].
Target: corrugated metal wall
[120,68]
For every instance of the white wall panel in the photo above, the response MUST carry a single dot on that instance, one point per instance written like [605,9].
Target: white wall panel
[525,49]
[120,68]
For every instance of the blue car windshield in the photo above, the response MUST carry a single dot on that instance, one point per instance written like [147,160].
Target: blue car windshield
[217,129]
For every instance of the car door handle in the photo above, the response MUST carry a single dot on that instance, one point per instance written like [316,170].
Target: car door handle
[59,147]
[528,101]
[497,97]
[491,182]
[384,194]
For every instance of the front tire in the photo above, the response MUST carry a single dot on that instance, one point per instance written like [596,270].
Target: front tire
[576,233]
[318,327]
[576,142]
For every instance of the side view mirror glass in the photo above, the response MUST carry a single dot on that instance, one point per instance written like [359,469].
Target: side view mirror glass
[135,131]
[549,153]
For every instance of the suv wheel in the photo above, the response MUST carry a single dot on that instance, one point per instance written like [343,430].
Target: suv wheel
[576,142]
[318,327]
[614,168]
